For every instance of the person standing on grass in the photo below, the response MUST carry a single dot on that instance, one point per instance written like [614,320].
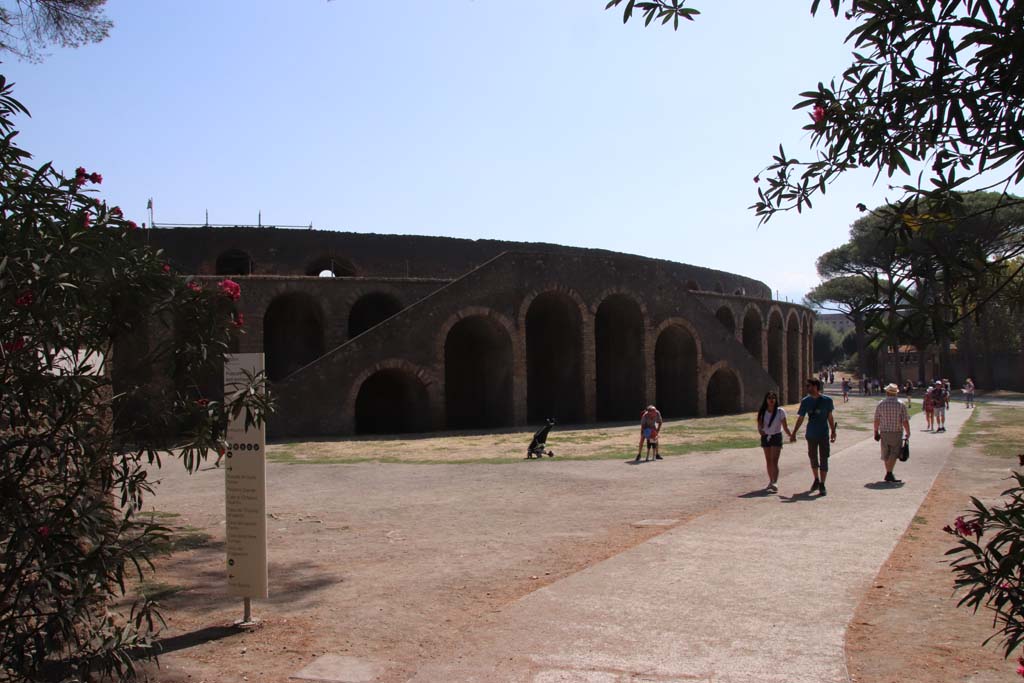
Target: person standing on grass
[969,393]
[650,422]
[891,423]
[821,431]
[771,422]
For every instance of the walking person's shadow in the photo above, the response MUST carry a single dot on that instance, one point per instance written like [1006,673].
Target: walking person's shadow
[883,485]
[757,493]
[803,496]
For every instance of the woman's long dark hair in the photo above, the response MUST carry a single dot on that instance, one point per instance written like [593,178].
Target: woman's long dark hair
[764,408]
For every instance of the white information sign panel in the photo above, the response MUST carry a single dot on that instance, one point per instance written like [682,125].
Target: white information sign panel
[245,489]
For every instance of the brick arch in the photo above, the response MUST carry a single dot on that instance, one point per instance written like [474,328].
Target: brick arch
[358,293]
[677,368]
[794,367]
[524,306]
[752,335]
[234,261]
[727,317]
[682,322]
[480,385]
[621,291]
[294,331]
[621,354]
[357,299]
[808,337]
[554,341]
[718,402]
[427,378]
[793,313]
[776,361]
[469,312]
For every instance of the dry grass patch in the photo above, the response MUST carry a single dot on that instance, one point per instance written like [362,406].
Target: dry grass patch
[996,430]
[569,442]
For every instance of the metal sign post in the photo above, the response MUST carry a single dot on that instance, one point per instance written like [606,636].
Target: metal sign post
[245,493]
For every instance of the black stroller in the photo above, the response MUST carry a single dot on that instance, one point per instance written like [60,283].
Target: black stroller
[538,447]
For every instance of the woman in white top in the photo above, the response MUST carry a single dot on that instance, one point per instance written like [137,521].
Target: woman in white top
[771,422]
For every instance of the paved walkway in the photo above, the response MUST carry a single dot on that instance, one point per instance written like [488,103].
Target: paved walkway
[760,589]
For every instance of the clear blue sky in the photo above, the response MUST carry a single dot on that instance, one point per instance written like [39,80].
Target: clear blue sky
[542,120]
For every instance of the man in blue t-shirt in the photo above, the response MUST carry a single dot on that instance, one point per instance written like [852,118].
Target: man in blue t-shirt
[821,431]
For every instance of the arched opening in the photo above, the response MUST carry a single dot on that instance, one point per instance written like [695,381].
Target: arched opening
[793,360]
[392,401]
[725,316]
[692,285]
[554,359]
[234,262]
[293,334]
[752,325]
[619,337]
[371,309]
[675,363]
[330,266]
[478,374]
[775,348]
[808,338]
[724,393]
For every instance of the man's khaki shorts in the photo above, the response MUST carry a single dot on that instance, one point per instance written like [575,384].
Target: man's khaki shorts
[891,444]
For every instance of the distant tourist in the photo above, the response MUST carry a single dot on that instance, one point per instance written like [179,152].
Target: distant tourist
[969,393]
[846,390]
[947,386]
[650,422]
[939,398]
[652,444]
[928,402]
[771,422]
[891,423]
[821,431]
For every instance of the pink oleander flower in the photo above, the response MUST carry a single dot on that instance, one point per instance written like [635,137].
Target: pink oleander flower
[239,320]
[86,219]
[43,531]
[116,211]
[965,528]
[818,113]
[202,402]
[195,286]
[230,289]
[166,268]
[132,225]
[81,176]
[1020,670]
[95,178]
[757,179]
[16,345]
[24,299]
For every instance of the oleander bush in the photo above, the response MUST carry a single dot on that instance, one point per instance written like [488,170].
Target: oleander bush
[988,563]
[80,433]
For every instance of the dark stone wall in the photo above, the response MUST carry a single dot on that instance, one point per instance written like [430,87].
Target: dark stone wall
[426,333]
[276,251]
[321,398]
